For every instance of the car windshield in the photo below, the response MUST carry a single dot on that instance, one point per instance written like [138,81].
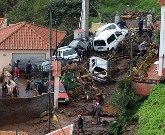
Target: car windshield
[74,43]
[62,89]
[99,43]
[98,69]
[69,52]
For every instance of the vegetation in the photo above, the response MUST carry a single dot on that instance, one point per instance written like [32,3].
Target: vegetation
[67,12]
[152,113]
[125,102]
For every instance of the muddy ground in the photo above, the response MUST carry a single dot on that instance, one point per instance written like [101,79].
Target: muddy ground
[68,114]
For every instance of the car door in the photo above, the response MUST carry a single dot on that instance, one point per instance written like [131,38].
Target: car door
[119,36]
[112,42]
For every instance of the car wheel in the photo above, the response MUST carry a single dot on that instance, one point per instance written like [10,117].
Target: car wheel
[112,49]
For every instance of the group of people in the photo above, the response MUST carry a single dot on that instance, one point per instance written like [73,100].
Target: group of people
[10,86]
[122,24]
[96,112]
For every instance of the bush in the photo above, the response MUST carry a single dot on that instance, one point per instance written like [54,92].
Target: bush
[152,113]
[126,102]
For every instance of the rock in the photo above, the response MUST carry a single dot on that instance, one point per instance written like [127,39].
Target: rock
[45,113]
[45,118]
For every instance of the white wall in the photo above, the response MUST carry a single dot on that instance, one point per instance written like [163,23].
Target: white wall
[6,56]
[162,41]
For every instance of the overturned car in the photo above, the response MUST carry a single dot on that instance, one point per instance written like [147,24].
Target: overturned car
[98,68]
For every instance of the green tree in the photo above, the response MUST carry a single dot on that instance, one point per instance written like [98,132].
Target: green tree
[125,101]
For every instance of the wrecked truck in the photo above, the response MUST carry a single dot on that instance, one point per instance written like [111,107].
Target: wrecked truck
[98,68]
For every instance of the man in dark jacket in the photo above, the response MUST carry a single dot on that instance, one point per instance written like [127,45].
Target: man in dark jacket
[4,90]
[27,89]
[98,113]
[140,25]
[122,24]
[80,124]
[29,70]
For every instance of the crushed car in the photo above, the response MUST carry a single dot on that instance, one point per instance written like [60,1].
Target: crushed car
[98,68]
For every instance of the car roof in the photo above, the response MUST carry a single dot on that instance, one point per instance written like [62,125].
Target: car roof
[105,34]
[64,48]
[105,26]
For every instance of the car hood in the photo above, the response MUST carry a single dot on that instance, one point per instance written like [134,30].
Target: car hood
[63,95]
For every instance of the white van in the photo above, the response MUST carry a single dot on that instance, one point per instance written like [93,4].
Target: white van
[110,26]
[107,40]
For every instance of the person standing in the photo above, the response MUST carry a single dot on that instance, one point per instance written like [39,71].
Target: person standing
[122,24]
[27,89]
[29,70]
[142,48]
[80,124]
[16,74]
[150,32]
[140,26]
[94,108]
[98,113]
[4,90]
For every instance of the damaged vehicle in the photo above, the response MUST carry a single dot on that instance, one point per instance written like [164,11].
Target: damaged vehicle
[98,68]
[110,26]
[107,40]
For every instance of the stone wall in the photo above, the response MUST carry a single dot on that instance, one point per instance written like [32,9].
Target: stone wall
[16,110]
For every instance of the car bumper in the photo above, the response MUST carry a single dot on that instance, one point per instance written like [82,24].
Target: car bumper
[99,79]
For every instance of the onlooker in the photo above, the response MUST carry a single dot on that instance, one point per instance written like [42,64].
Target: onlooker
[150,32]
[29,70]
[94,107]
[140,26]
[80,124]
[27,89]
[142,48]
[16,74]
[98,113]
[16,63]
[4,90]
[122,24]
[87,88]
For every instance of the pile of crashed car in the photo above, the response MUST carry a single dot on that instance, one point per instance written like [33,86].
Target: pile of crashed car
[105,39]
[72,56]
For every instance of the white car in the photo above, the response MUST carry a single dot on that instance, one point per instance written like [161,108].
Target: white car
[63,54]
[107,40]
[67,53]
[98,68]
[110,26]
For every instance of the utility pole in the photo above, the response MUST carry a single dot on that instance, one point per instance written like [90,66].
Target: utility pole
[85,17]
[50,62]
[56,73]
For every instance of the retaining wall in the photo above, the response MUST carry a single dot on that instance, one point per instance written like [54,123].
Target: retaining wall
[16,110]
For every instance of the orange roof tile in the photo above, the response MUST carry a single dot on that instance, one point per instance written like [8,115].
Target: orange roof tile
[25,36]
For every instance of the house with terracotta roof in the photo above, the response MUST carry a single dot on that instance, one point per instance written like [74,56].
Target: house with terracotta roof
[24,41]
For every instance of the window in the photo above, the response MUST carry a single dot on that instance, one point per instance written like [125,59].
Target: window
[110,27]
[111,39]
[117,33]
[99,43]
[69,52]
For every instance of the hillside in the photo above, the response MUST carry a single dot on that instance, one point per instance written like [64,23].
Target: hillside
[152,113]
[119,6]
